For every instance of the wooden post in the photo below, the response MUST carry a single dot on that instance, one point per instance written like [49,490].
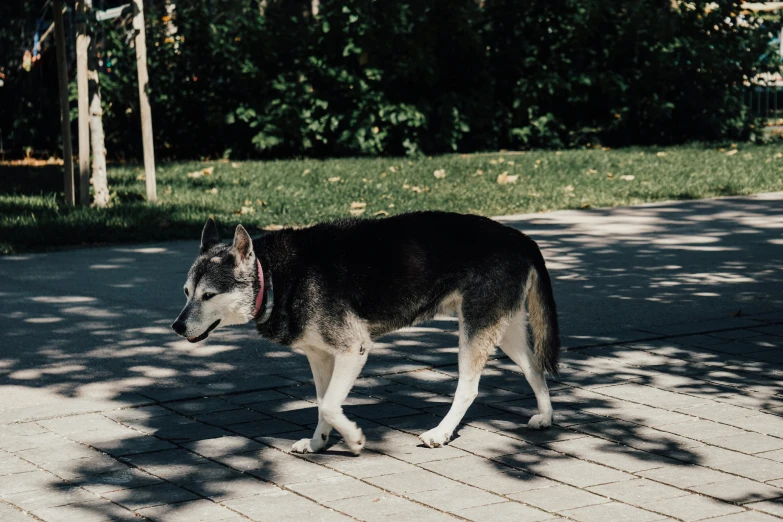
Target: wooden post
[144,102]
[82,44]
[65,119]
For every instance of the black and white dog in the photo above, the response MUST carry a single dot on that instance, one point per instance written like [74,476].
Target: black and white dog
[330,289]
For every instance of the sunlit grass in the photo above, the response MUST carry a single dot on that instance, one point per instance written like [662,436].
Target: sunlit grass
[300,192]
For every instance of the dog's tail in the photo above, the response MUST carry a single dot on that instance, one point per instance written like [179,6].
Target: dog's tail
[542,314]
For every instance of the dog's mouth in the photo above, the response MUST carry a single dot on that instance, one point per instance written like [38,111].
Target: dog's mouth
[205,334]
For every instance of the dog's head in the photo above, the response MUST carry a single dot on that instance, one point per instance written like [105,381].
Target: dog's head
[219,288]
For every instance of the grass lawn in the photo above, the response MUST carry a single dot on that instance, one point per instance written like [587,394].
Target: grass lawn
[299,192]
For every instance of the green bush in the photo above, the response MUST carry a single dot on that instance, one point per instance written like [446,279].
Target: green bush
[365,77]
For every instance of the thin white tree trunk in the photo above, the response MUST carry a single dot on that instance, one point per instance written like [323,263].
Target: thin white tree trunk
[144,102]
[99,180]
[82,46]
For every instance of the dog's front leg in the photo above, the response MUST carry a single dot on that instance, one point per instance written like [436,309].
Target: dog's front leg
[321,364]
[347,366]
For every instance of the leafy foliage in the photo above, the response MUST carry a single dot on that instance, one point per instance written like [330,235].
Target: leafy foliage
[365,77]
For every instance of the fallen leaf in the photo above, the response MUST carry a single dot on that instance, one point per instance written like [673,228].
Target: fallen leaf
[731,152]
[394,168]
[381,213]
[568,188]
[591,171]
[358,204]
[627,177]
[236,182]
[510,162]
[417,190]
[440,173]
[391,205]
[305,172]
[357,211]
[248,202]
[660,154]
[504,179]
[779,155]
[501,160]
[247,210]
[493,162]
[203,172]
[334,179]
[610,175]
[406,186]
[235,165]
[262,203]
[273,227]
[213,190]
[478,172]
[141,177]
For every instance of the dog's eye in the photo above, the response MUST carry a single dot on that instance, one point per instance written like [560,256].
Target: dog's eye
[207,296]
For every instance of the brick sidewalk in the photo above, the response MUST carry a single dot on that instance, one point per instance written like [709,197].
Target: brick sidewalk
[669,405]
[685,427]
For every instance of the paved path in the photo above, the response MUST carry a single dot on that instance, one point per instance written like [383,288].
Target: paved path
[668,406]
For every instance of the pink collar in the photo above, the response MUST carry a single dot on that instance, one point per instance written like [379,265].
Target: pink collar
[262,291]
[260,295]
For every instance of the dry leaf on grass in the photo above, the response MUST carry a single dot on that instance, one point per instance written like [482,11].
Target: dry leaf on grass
[357,211]
[305,172]
[381,213]
[273,227]
[247,210]
[203,172]
[334,179]
[779,155]
[505,179]
[358,204]
[478,172]
[591,171]
[628,177]
[213,190]
[235,165]
[417,190]
[440,173]
[731,152]
[660,154]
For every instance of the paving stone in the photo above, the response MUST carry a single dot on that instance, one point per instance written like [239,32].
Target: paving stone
[52,496]
[96,465]
[685,476]
[27,481]
[692,507]
[276,467]
[236,485]
[776,455]
[421,454]
[200,406]
[331,489]
[747,516]
[411,482]
[263,428]
[192,511]
[386,508]
[739,490]
[227,418]
[702,429]
[10,465]
[283,506]
[96,511]
[367,466]
[558,498]
[506,482]
[755,468]
[773,507]
[637,492]
[464,467]
[612,511]
[223,446]
[579,473]
[127,478]
[505,512]
[455,498]
[611,454]
[148,496]
[11,514]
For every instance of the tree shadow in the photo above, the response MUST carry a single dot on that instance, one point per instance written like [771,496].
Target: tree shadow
[102,395]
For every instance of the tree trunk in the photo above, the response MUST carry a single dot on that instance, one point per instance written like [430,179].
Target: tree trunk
[65,118]
[82,46]
[144,102]
[99,180]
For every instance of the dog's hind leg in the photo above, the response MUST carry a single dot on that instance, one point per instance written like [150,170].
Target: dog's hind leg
[474,349]
[515,345]
[346,369]
[322,364]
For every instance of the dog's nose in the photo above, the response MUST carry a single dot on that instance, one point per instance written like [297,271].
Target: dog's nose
[178,327]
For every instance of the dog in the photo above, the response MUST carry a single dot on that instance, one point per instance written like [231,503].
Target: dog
[330,289]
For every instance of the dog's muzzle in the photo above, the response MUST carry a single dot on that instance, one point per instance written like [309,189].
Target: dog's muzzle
[179,327]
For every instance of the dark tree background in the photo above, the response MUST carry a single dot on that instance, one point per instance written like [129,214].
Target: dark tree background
[248,78]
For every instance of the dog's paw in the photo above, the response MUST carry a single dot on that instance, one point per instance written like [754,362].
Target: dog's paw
[304,446]
[435,438]
[357,446]
[539,421]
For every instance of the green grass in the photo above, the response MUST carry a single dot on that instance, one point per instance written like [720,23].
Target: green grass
[299,192]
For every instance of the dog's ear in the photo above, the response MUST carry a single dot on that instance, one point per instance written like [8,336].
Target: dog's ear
[243,246]
[209,236]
